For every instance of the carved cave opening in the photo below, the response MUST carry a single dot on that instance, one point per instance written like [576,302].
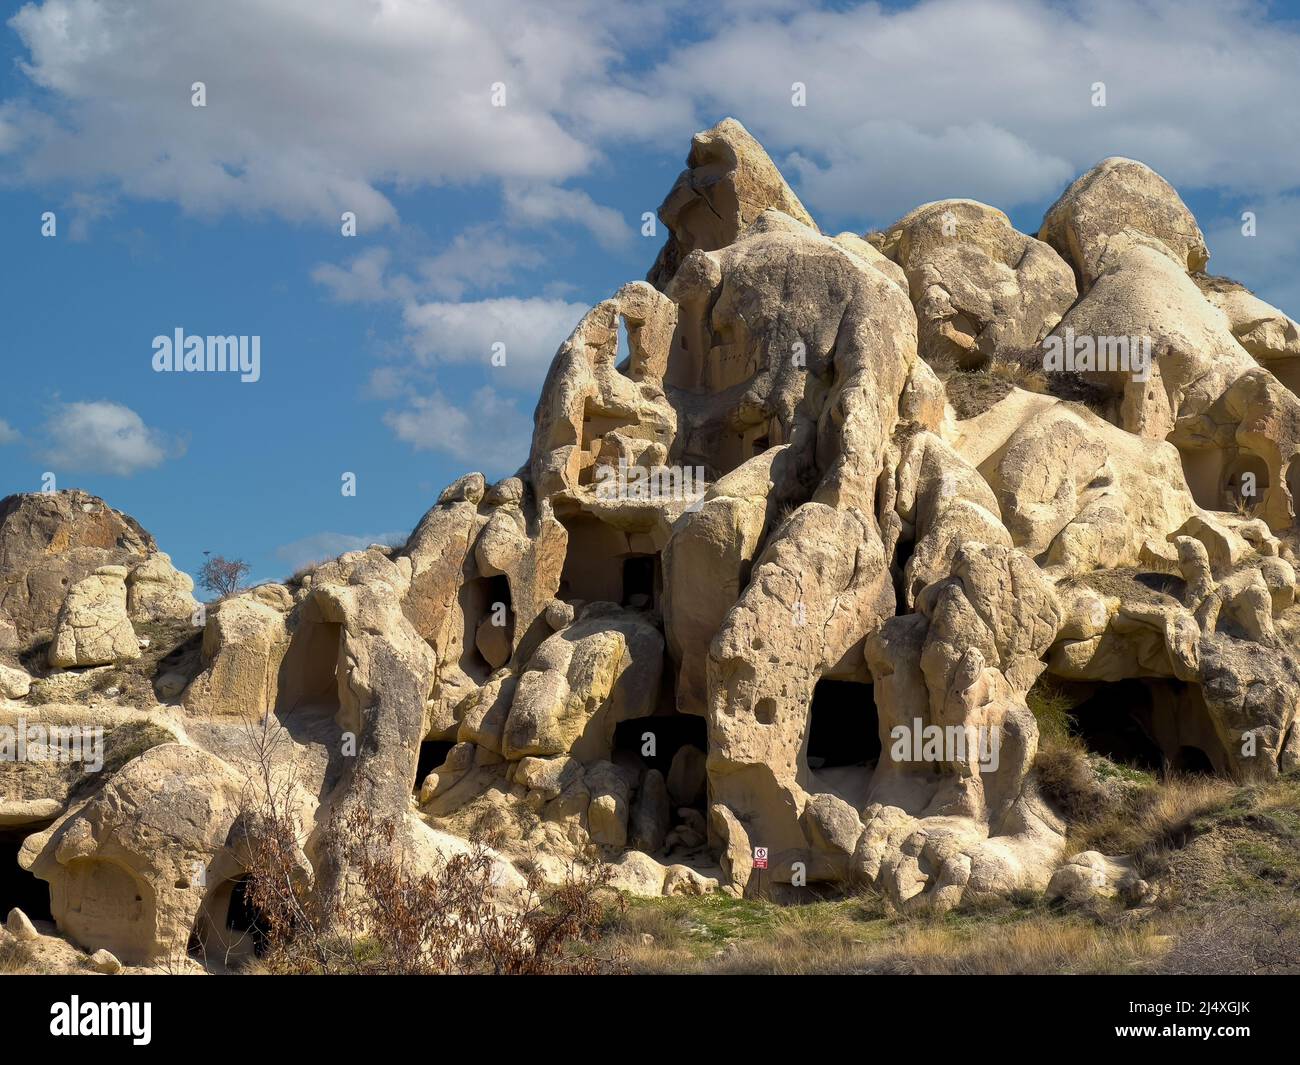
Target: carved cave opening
[843,726]
[1150,723]
[432,754]
[18,887]
[641,581]
[1225,479]
[652,742]
[599,567]
[489,611]
[309,675]
[843,745]
[245,922]
[593,569]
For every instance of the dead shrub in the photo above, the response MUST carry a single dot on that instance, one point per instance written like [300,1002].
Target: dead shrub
[452,919]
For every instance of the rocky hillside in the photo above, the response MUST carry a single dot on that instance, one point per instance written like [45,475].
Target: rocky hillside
[779,605]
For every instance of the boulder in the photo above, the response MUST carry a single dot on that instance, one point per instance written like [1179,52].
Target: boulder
[981,289]
[1113,202]
[93,627]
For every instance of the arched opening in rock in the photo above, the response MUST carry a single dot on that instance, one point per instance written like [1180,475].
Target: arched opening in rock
[489,612]
[1115,721]
[108,903]
[1293,484]
[593,567]
[1246,480]
[432,754]
[736,448]
[653,741]
[843,746]
[1204,472]
[843,726]
[18,887]
[623,352]
[1193,760]
[309,675]
[245,922]
[1287,371]
[1150,723]
[641,581]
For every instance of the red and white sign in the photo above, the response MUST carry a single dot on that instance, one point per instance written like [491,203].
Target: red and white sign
[760,857]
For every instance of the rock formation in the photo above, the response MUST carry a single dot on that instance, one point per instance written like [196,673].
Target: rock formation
[762,608]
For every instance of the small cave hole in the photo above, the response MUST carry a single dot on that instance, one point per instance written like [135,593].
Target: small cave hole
[1114,723]
[1193,760]
[639,579]
[843,726]
[245,918]
[18,887]
[432,754]
[654,740]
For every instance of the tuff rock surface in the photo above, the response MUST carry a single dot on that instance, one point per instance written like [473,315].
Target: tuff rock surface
[743,662]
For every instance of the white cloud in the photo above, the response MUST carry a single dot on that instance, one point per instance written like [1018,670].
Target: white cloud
[363,280]
[480,258]
[316,108]
[322,546]
[992,98]
[102,437]
[531,329]
[443,332]
[489,431]
[862,174]
[8,434]
[542,204]
[311,107]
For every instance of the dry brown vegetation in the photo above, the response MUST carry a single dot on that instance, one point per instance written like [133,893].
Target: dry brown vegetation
[973,391]
[382,917]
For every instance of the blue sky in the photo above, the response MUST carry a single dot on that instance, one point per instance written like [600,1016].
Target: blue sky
[479,224]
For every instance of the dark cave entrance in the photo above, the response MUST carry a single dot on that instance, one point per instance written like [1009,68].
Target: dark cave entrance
[663,734]
[489,612]
[1191,759]
[843,726]
[640,580]
[1115,722]
[18,887]
[432,754]
[244,918]
[309,673]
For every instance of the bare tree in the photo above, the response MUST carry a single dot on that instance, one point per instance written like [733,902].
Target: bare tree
[223,576]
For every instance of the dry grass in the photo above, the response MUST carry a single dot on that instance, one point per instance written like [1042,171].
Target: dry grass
[16,957]
[1226,858]
[1151,819]
[1021,373]
[720,935]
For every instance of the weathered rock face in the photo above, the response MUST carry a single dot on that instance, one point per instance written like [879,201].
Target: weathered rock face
[50,541]
[980,288]
[93,628]
[1114,202]
[760,589]
[126,868]
[728,182]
